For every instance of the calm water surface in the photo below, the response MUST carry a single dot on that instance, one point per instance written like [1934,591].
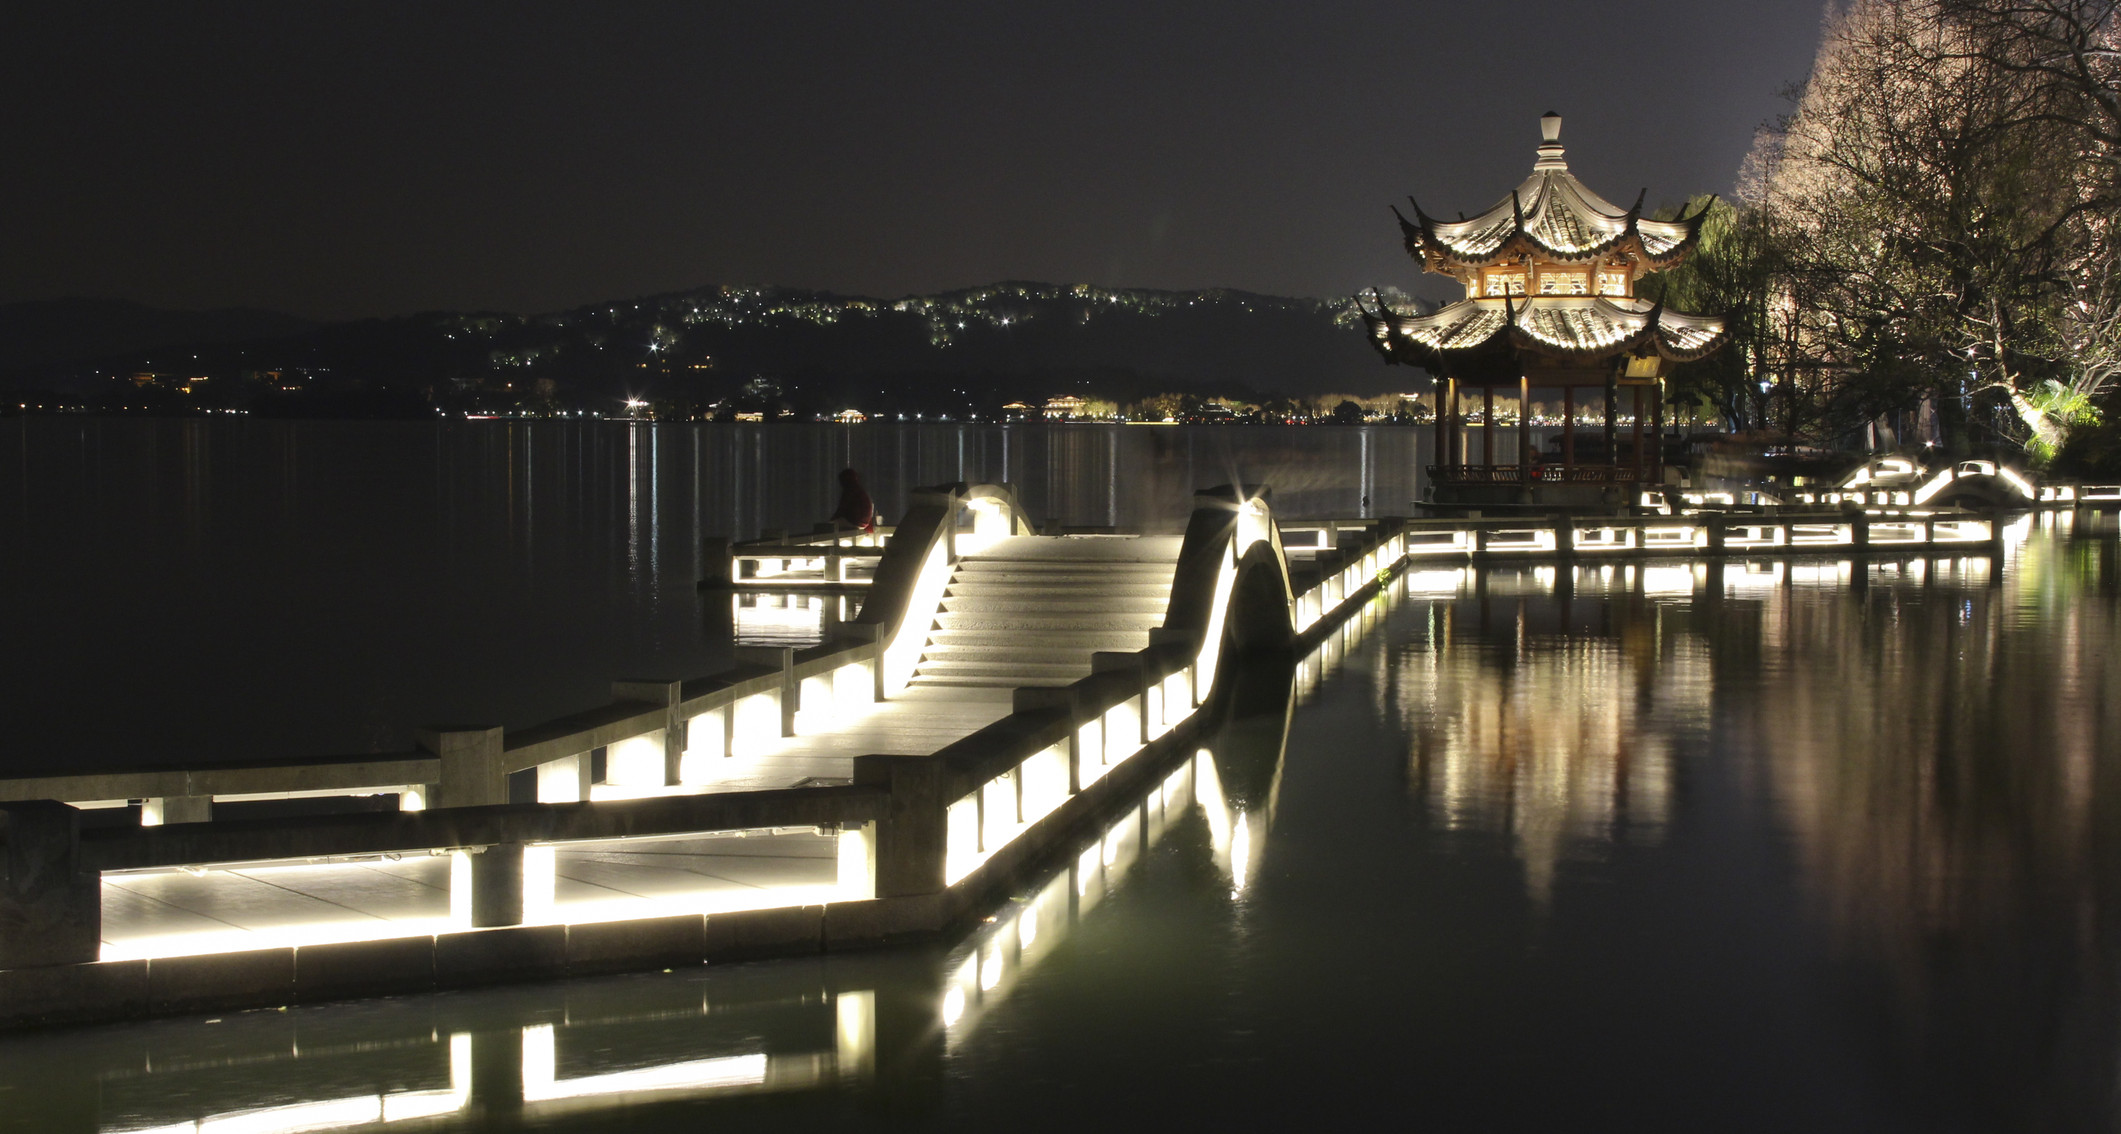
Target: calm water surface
[1831,848]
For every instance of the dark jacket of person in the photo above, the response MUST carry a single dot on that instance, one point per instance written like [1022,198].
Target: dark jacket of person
[856,509]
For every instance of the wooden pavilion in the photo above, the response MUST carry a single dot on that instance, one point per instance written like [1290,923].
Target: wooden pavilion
[1549,273]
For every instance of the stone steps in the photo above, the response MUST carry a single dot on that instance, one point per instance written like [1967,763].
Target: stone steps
[1064,603]
[1043,624]
[999,683]
[1062,637]
[1039,590]
[1034,617]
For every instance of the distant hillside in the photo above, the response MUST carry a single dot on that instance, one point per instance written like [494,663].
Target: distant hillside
[46,332]
[815,351]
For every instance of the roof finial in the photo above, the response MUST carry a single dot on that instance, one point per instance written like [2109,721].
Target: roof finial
[1550,148]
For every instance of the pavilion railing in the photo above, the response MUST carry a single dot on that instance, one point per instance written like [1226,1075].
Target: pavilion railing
[1546,474]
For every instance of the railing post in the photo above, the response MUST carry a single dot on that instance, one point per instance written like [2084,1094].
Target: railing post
[1564,537]
[1037,698]
[784,658]
[474,772]
[51,902]
[912,836]
[1859,529]
[1714,527]
[666,694]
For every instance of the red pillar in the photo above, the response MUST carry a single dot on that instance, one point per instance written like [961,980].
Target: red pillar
[1524,428]
[1458,428]
[1487,425]
[1443,424]
[1636,432]
[1568,430]
[1657,431]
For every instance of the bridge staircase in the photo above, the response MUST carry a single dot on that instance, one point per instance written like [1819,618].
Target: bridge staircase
[1030,610]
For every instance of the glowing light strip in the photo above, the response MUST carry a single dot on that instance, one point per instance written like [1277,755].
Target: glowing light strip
[1936,485]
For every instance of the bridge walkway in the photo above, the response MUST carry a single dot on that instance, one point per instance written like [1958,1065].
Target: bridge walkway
[1025,611]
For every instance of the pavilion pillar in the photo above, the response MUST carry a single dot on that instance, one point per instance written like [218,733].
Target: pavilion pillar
[1657,430]
[1524,428]
[1487,425]
[1568,430]
[1635,431]
[1443,424]
[1612,413]
[1458,439]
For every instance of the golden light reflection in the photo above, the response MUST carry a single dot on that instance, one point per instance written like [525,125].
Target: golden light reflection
[1562,744]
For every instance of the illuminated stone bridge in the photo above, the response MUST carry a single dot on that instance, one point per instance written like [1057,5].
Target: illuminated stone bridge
[1000,694]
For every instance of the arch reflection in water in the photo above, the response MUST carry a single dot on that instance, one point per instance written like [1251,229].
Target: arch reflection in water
[1229,785]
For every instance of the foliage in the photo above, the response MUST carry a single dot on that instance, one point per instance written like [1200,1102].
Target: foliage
[1930,232]
[1733,271]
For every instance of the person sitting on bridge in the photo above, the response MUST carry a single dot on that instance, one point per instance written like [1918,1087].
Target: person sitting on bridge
[856,510]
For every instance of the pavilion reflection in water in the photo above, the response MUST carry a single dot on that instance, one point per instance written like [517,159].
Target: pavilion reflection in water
[1939,738]
[1543,708]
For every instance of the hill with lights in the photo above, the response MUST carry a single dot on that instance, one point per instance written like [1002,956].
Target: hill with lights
[806,352]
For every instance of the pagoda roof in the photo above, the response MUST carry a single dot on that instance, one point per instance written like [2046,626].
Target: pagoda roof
[1551,216]
[1478,335]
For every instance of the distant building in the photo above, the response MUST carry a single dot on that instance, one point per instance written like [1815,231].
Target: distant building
[1063,407]
[850,417]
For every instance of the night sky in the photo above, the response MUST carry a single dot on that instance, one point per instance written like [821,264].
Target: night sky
[341,160]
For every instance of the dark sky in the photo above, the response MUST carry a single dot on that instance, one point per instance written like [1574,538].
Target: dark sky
[337,160]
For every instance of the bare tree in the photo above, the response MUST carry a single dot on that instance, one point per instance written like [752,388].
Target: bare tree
[1937,204]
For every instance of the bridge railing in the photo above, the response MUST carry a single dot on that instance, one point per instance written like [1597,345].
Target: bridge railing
[828,555]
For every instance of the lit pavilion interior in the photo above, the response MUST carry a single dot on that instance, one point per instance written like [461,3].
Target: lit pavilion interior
[1550,273]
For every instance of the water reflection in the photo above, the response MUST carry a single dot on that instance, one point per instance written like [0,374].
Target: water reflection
[1948,761]
[1560,741]
[1938,742]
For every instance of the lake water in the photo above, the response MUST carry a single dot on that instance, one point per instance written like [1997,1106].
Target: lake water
[1832,847]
